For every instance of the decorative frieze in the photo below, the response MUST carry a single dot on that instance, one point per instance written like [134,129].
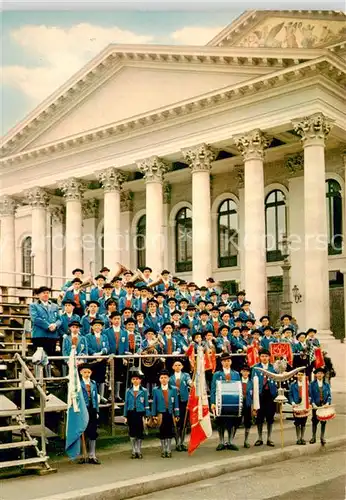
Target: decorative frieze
[313,129]
[295,163]
[73,189]
[7,206]
[167,192]
[153,169]
[239,175]
[37,197]
[57,214]
[126,201]
[199,157]
[90,208]
[111,179]
[252,145]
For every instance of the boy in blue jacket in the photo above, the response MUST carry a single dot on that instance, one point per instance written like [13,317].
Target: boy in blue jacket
[89,390]
[295,398]
[320,395]
[136,408]
[165,402]
[182,382]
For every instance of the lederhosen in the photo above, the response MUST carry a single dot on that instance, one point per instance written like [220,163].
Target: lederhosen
[167,426]
[314,418]
[119,367]
[182,407]
[267,406]
[91,430]
[246,414]
[135,421]
[99,369]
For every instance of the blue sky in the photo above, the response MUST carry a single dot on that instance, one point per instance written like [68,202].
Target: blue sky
[41,50]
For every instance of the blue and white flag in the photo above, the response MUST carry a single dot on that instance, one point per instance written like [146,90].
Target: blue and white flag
[77,412]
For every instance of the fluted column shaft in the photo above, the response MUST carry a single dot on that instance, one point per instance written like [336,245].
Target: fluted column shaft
[7,252]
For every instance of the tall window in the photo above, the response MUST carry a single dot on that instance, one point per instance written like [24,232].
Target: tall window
[183,240]
[275,215]
[102,246]
[334,216]
[140,241]
[227,223]
[26,261]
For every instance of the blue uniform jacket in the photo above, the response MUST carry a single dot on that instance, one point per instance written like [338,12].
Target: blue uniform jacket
[265,342]
[94,347]
[65,323]
[140,404]
[249,393]
[314,393]
[272,385]
[159,405]
[94,400]
[175,345]
[82,346]
[237,343]
[123,303]
[69,295]
[85,322]
[180,296]
[185,382]
[161,287]
[198,326]
[163,310]
[299,347]
[123,345]
[95,293]
[293,395]
[245,316]
[220,375]
[223,342]
[154,323]
[42,317]
[183,342]
[145,344]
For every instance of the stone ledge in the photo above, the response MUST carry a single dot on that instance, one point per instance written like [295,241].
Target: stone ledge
[157,482]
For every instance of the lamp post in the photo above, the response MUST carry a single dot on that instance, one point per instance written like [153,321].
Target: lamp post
[286,304]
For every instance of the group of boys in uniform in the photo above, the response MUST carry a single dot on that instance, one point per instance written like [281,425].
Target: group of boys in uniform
[123,318]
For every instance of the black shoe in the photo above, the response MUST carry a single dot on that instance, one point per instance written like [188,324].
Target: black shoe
[81,461]
[94,461]
[312,440]
[302,441]
[168,454]
[259,442]
[323,441]
[139,455]
[299,441]
[232,447]
[220,447]
[163,455]
[118,400]
[178,447]
[183,447]
[246,445]
[270,443]
[133,455]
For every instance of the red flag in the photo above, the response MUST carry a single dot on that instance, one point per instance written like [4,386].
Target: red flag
[190,353]
[210,361]
[319,359]
[252,355]
[279,350]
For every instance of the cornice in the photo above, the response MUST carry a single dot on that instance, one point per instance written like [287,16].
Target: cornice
[329,66]
[114,57]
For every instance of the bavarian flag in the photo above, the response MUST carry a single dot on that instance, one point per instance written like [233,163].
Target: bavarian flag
[77,412]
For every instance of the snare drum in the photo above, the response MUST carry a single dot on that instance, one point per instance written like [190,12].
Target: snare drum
[325,413]
[229,399]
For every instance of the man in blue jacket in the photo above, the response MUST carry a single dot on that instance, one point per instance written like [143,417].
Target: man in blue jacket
[67,317]
[182,382]
[247,389]
[118,342]
[320,395]
[45,320]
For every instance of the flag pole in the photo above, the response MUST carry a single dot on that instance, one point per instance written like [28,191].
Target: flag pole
[187,406]
[84,448]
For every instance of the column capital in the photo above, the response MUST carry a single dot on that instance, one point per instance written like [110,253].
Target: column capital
[153,169]
[73,189]
[57,214]
[295,163]
[126,201]
[199,157]
[313,129]
[111,179]
[252,144]
[7,206]
[37,197]
[90,208]
[167,192]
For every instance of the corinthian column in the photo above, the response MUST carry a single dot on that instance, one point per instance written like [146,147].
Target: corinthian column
[200,159]
[252,147]
[38,200]
[313,131]
[73,190]
[8,254]
[112,180]
[153,169]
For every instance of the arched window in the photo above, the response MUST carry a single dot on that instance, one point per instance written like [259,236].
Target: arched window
[26,261]
[140,241]
[183,240]
[334,216]
[227,224]
[275,216]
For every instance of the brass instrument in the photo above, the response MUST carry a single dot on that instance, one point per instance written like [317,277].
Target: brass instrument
[121,270]
[151,349]
[157,282]
[155,422]
[88,282]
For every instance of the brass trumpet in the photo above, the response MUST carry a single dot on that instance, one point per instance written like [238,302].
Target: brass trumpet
[88,282]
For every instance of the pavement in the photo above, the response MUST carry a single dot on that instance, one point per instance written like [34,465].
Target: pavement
[119,477]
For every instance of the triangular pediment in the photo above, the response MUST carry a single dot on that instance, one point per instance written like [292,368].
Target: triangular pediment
[283,29]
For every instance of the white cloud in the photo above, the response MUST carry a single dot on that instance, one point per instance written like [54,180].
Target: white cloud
[195,35]
[61,53]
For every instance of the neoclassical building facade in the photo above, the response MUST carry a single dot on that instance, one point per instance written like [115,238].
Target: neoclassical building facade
[195,159]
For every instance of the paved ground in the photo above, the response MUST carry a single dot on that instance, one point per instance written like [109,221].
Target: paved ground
[118,466]
[320,477]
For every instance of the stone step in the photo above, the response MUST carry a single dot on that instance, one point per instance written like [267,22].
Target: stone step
[24,461]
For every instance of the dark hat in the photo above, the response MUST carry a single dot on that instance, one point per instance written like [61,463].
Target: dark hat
[129,284]
[160,294]
[245,329]
[93,302]
[224,292]
[192,284]
[127,309]
[137,313]
[152,301]
[168,323]
[286,316]
[196,333]
[97,321]
[316,370]
[176,311]
[264,351]
[191,307]
[69,301]
[225,356]
[215,308]
[264,317]
[204,312]
[182,282]
[42,289]
[202,300]
[251,320]
[78,270]
[136,373]
[170,299]
[147,268]
[104,269]
[164,372]
[256,331]
[165,271]
[238,320]
[210,280]
[311,330]
[236,309]
[203,289]
[236,328]
[209,302]
[76,280]
[268,327]
[246,367]
[213,293]
[246,303]
[75,323]
[115,314]
[299,334]
[241,292]
[107,285]
[100,276]
[110,301]
[149,330]
[224,326]
[288,329]
[130,320]
[171,288]
[183,299]
[82,366]
[117,278]
[226,312]
[128,271]
[184,326]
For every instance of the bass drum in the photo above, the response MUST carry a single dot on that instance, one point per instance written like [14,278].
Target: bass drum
[229,399]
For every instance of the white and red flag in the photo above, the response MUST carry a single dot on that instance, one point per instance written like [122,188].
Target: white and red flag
[198,406]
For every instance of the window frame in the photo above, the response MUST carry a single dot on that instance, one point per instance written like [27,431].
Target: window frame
[275,255]
[26,259]
[182,266]
[141,252]
[331,195]
[230,260]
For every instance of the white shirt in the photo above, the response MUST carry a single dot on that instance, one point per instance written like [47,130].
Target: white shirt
[135,388]
[177,375]
[164,387]
[168,337]
[227,371]
[86,381]
[116,329]
[244,380]
[320,383]
[265,366]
